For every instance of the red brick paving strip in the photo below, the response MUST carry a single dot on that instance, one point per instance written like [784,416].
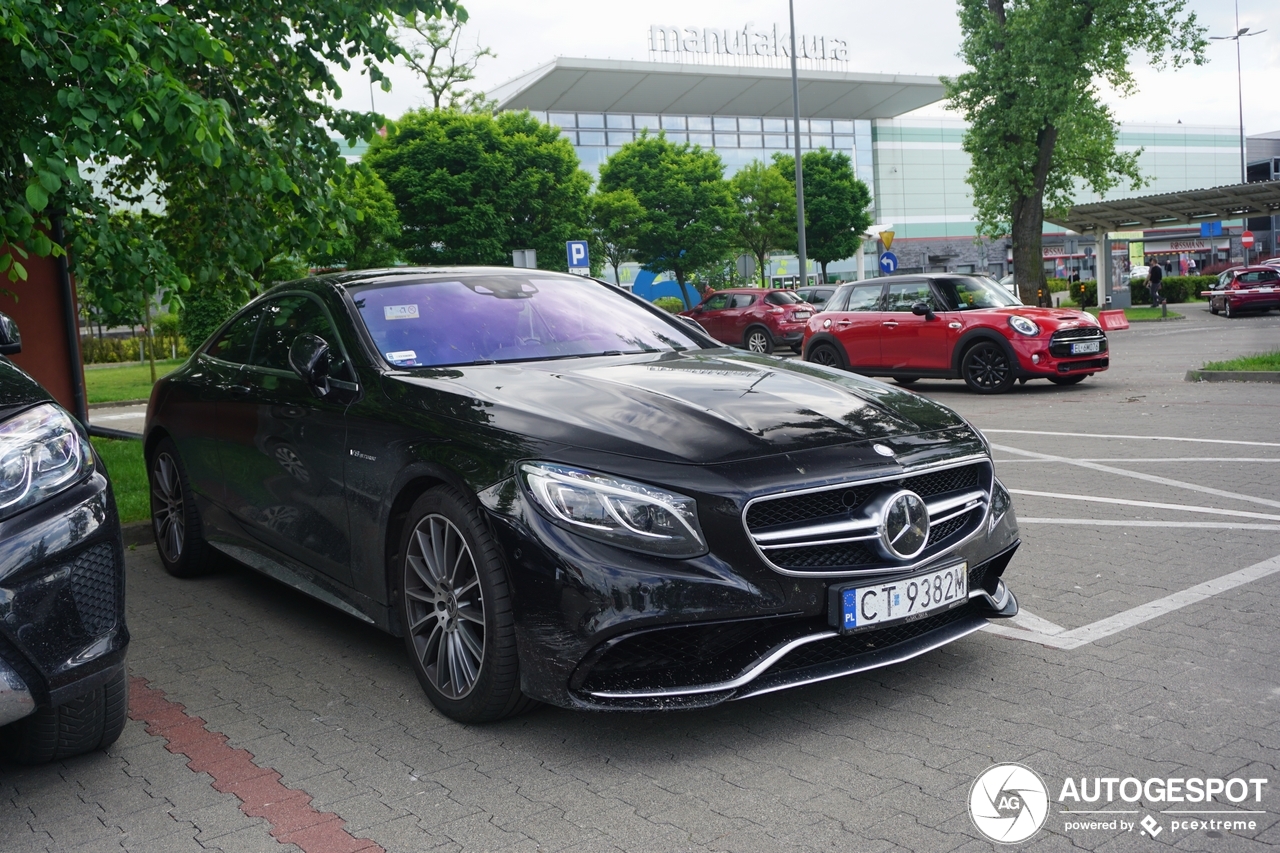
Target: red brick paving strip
[293,820]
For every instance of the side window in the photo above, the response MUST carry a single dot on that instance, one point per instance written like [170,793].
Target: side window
[236,343]
[715,303]
[902,295]
[1269,275]
[864,297]
[743,300]
[283,320]
[838,300]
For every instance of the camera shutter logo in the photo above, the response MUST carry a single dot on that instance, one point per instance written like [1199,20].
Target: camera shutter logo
[1008,803]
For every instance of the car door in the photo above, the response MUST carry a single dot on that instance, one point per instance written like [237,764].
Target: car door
[737,317]
[853,317]
[285,454]
[911,342]
[708,314]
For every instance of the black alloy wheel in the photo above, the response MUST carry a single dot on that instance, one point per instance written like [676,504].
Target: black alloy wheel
[1068,380]
[174,518]
[455,605]
[826,355]
[987,369]
[758,340]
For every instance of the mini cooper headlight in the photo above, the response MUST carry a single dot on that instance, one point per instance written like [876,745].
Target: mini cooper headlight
[1023,326]
[41,453]
[619,512]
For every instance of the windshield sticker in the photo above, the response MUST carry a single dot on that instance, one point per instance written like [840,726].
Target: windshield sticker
[400,312]
[403,358]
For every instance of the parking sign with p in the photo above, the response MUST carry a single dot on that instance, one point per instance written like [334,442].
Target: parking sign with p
[579,262]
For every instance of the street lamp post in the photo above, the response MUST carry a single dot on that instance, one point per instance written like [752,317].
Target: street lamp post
[1240,33]
[795,135]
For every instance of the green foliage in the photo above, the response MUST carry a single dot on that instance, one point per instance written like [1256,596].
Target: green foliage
[124,381]
[674,304]
[688,206]
[766,219]
[836,205]
[204,311]
[372,228]
[616,219]
[1173,288]
[123,267]
[127,471]
[435,51]
[1259,362]
[119,350]
[471,188]
[224,111]
[1038,128]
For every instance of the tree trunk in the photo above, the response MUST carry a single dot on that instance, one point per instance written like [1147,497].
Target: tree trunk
[823,264]
[1028,259]
[148,339]
[617,279]
[763,260]
[684,291]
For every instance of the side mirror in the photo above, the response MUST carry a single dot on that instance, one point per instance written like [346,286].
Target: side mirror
[309,358]
[10,340]
[922,309]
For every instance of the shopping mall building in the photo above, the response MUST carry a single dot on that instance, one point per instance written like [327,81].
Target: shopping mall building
[731,91]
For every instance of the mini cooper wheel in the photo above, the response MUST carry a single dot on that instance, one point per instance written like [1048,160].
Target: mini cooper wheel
[175,521]
[758,340]
[826,355]
[1068,380]
[987,369]
[455,605]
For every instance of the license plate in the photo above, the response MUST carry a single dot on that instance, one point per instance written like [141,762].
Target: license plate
[860,607]
[1265,289]
[802,315]
[1086,347]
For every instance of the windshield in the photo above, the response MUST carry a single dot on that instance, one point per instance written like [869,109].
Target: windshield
[964,294]
[506,318]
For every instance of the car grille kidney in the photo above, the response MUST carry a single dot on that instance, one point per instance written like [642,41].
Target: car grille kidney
[832,530]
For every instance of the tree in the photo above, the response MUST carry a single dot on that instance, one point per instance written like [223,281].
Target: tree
[616,218]
[688,205]
[836,205]
[766,212]
[222,111]
[373,227]
[1037,124]
[471,188]
[437,54]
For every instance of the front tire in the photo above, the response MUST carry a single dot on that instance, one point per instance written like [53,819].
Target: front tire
[987,368]
[455,605]
[175,521]
[1213,307]
[1226,309]
[758,340]
[93,721]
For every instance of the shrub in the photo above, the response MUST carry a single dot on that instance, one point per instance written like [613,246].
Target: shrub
[1174,288]
[203,312]
[115,350]
[674,304]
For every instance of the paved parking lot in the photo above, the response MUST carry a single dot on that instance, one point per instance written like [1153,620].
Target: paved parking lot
[1147,648]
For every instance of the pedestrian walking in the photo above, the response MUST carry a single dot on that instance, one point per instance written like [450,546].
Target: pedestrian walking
[1154,276]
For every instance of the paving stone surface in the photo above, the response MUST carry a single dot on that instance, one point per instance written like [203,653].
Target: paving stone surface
[329,710]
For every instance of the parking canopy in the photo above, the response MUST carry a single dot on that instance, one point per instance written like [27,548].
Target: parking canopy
[1237,201]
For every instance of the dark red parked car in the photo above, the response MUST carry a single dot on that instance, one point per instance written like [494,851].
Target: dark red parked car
[754,318]
[953,327]
[1241,289]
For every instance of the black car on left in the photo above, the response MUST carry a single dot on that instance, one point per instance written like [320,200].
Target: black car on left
[556,492]
[63,686]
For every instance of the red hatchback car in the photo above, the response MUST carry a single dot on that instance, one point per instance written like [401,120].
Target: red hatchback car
[753,318]
[953,327]
[1241,289]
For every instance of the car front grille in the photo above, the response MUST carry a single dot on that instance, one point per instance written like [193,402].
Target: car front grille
[851,645]
[832,531]
[1061,341]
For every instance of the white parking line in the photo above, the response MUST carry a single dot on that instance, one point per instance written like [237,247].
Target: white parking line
[1078,637]
[1136,437]
[1124,522]
[1150,478]
[1149,504]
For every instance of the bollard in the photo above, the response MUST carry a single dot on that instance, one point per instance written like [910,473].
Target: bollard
[1164,309]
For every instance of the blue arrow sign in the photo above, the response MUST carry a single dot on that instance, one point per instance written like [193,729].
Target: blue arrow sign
[888,263]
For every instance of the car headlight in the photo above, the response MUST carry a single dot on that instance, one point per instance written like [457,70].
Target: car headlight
[1023,326]
[619,512]
[41,453]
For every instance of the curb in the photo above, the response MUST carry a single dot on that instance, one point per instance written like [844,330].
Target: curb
[117,403]
[137,533]
[1233,376]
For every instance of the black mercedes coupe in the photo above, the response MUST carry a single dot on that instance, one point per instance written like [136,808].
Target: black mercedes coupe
[556,492]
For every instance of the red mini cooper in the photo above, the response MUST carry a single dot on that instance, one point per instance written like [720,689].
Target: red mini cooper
[952,327]
[753,318]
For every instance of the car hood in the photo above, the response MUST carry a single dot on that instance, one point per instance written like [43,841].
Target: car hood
[17,389]
[1050,318]
[705,407]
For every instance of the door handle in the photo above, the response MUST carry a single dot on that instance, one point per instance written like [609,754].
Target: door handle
[892,324]
[239,390]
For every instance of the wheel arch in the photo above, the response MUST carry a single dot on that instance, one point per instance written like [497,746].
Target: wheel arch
[828,338]
[975,336]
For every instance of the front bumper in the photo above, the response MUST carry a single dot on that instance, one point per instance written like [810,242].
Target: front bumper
[602,628]
[1041,358]
[62,626]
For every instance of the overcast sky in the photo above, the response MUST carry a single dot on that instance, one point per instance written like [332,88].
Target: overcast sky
[885,36]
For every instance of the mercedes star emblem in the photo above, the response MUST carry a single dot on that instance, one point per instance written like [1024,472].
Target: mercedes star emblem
[904,529]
